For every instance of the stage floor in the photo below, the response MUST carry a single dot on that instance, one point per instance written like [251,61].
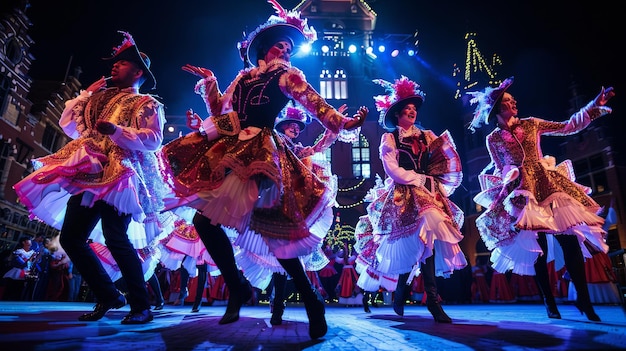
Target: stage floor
[54,326]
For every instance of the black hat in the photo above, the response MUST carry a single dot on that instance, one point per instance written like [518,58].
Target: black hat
[128,51]
[285,25]
[487,100]
[292,114]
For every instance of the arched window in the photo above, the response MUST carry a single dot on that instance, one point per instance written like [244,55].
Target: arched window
[334,85]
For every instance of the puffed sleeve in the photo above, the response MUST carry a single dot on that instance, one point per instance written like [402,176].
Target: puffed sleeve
[147,132]
[294,85]
[209,90]
[71,120]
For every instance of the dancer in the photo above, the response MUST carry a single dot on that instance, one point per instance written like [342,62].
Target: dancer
[529,200]
[292,121]
[411,226]
[107,176]
[238,159]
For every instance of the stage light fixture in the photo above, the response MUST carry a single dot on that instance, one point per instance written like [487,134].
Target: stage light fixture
[395,53]
[305,48]
[352,48]
[381,48]
[411,52]
[325,49]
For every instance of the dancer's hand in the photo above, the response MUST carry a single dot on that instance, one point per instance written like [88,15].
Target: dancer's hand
[194,121]
[106,128]
[97,85]
[604,96]
[198,71]
[358,119]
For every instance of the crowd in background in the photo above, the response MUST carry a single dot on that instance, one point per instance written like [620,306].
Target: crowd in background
[50,276]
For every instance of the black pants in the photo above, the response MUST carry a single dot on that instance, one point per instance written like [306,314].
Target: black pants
[78,225]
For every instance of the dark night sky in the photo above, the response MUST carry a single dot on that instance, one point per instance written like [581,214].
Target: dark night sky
[545,49]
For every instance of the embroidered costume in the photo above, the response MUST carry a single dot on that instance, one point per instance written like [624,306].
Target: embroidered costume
[527,193]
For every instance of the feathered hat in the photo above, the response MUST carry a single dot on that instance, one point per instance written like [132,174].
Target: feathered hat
[128,51]
[292,114]
[486,100]
[285,25]
[401,92]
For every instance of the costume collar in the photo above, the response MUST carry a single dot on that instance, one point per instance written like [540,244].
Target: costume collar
[410,132]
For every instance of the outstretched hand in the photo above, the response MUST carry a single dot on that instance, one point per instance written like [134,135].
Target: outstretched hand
[198,71]
[604,96]
[106,128]
[194,122]
[358,119]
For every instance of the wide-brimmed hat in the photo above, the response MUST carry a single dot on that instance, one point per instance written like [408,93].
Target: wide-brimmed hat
[285,25]
[128,51]
[292,114]
[401,92]
[487,100]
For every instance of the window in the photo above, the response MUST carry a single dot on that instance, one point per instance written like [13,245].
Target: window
[334,86]
[361,167]
[14,51]
[326,84]
[5,88]
[50,138]
[24,151]
[340,85]
[591,172]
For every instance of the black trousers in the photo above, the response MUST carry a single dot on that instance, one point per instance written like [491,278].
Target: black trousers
[78,225]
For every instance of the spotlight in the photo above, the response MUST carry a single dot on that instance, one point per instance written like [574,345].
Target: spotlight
[352,48]
[325,49]
[395,53]
[411,52]
[381,48]
[305,48]
[369,50]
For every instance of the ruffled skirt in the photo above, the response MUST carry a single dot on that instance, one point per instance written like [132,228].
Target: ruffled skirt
[514,216]
[257,187]
[407,224]
[78,168]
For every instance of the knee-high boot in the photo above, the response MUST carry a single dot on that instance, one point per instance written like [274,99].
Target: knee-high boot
[184,291]
[543,280]
[430,288]
[399,296]
[313,301]
[366,297]
[219,247]
[575,264]
[278,303]
[197,302]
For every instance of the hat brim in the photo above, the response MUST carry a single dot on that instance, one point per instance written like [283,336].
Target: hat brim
[399,105]
[287,121]
[271,33]
[132,54]
[499,93]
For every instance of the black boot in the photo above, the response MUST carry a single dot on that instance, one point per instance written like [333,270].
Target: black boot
[313,300]
[219,247]
[197,302]
[399,297]
[278,304]
[366,307]
[575,264]
[430,288]
[543,280]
